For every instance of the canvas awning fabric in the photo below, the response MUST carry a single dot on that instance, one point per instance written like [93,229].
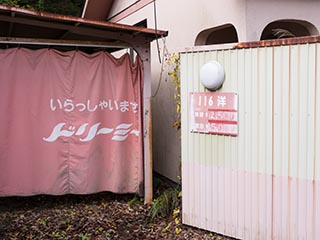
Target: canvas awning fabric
[70,122]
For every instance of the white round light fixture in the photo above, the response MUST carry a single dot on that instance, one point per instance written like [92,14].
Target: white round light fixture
[212,75]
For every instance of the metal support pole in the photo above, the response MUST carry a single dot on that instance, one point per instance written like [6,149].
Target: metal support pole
[144,53]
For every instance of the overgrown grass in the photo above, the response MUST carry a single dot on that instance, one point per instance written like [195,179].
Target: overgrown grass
[164,205]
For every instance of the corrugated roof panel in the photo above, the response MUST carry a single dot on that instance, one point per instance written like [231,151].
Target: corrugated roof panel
[27,24]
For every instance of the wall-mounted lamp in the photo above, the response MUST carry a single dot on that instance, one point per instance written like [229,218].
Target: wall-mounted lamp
[212,75]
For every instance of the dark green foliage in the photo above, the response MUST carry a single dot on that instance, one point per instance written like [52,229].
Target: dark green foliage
[65,7]
[13,3]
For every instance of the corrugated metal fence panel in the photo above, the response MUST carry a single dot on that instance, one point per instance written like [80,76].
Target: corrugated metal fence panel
[295,124]
[263,184]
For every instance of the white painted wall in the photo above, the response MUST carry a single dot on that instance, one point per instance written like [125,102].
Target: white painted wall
[120,5]
[261,13]
[185,20]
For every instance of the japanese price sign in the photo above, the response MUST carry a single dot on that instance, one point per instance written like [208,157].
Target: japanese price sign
[214,113]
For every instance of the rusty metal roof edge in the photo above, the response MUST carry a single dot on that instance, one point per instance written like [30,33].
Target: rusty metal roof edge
[204,48]
[279,42]
[59,17]
[254,44]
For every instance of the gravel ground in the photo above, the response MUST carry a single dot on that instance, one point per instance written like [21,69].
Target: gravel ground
[98,216]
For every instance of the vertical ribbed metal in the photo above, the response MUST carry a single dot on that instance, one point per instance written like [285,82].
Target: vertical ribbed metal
[264,183]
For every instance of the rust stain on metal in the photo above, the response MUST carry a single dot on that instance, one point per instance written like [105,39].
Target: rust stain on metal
[278,42]
[58,17]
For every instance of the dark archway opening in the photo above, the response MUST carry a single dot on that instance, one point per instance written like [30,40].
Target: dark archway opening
[288,29]
[218,35]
